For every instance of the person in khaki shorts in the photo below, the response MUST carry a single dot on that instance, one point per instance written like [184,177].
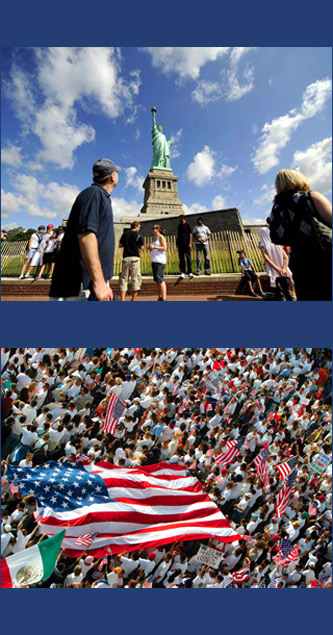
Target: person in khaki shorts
[132,243]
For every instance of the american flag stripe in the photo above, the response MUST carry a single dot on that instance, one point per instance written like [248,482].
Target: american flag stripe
[262,466]
[285,468]
[230,454]
[286,554]
[86,540]
[242,575]
[115,409]
[146,516]
[285,493]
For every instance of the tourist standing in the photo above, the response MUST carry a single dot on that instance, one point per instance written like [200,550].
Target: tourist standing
[184,246]
[32,247]
[158,261]
[85,261]
[202,236]
[132,243]
[276,264]
[49,254]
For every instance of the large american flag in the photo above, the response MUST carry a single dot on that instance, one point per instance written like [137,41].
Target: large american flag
[286,554]
[262,466]
[130,508]
[230,454]
[115,409]
[284,494]
[285,468]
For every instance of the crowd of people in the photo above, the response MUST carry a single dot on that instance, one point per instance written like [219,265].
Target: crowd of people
[53,405]
[41,252]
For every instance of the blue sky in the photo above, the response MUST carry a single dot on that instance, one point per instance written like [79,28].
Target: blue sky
[237,115]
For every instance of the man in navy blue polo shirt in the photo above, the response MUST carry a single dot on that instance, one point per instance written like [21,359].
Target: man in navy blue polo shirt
[85,260]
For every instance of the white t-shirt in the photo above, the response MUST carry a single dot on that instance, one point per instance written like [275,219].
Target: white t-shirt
[28,437]
[156,254]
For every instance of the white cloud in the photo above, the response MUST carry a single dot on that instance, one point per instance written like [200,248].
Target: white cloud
[206,92]
[277,133]
[267,196]
[235,90]
[247,220]
[185,61]
[206,166]
[234,84]
[11,155]
[238,52]
[201,170]
[8,226]
[121,208]
[176,138]
[69,77]
[18,89]
[195,208]
[69,74]
[133,179]
[219,202]
[224,171]
[10,203]
[316,164]
[37,199]
[61,197]
[60,135]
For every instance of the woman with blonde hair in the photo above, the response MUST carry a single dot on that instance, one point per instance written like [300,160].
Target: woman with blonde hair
[302,220]
[158,260]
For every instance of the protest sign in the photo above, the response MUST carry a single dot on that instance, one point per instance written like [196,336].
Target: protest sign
[320,462]
[209,556]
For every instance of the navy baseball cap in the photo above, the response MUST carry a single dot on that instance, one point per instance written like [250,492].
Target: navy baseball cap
[103,168]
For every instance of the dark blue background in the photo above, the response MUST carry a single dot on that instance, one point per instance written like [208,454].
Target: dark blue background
[183,324]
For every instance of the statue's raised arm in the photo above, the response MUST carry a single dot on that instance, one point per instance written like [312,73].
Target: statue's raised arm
[153,111]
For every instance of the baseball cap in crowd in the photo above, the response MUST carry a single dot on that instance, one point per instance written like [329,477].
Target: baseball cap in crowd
[103,168]
[50,227]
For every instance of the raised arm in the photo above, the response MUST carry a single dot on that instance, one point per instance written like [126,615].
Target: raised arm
[153,112]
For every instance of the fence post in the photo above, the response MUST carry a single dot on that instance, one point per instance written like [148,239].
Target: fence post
[230,253]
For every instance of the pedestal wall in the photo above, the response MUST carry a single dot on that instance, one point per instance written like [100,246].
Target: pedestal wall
[218,220]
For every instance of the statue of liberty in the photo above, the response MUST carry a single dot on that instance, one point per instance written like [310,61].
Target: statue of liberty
[161,147]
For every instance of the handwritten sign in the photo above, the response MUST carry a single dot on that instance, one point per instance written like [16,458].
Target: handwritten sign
[209,556]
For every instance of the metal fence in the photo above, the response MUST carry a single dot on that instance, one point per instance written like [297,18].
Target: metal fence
[223,253]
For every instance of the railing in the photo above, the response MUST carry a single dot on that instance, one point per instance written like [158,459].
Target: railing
[223,253]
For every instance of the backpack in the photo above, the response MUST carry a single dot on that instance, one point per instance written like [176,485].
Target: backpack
[294,216]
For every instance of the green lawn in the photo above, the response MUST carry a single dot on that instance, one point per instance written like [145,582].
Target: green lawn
[220,261]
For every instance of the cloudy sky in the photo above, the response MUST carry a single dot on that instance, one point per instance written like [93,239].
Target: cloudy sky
[236,114]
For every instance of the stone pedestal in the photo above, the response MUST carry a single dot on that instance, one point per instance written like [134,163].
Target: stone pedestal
[161,195]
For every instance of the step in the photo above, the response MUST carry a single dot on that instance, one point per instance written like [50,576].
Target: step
[215,285]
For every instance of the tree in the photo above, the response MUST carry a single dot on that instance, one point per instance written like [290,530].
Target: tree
[19,234]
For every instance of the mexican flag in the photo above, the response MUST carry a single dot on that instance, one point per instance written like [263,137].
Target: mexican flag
[31,565]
